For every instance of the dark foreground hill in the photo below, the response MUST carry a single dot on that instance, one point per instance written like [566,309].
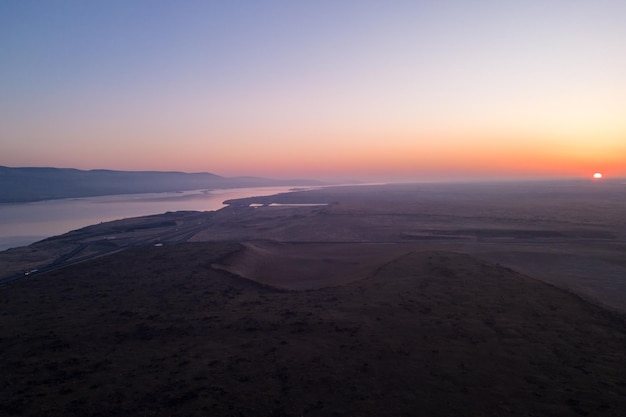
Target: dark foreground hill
[34,184]
[159,331]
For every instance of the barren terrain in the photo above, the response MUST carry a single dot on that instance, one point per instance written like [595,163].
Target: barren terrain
[431,299]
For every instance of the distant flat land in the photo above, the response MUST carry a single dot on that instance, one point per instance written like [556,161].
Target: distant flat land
[430,299]
[571,234]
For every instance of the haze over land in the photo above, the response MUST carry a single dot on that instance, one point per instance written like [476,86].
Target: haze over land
[372,90]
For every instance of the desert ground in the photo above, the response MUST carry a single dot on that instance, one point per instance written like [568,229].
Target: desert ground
[409,299]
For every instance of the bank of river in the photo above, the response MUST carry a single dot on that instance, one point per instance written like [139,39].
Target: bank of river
[25,223]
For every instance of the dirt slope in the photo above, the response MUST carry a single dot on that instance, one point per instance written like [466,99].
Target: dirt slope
[159,332]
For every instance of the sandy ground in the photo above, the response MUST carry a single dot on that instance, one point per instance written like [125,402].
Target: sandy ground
[571,235]
[303,266]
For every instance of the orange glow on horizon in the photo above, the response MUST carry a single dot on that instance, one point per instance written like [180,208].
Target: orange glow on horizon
[414,155]
[325,153]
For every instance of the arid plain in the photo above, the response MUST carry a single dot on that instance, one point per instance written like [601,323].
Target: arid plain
[409,299]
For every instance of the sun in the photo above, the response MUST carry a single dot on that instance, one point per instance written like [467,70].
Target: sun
[597,175]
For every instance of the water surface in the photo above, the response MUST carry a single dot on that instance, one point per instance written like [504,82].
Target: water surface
[24,223]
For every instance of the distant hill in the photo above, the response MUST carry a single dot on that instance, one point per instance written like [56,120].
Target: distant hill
[35,184]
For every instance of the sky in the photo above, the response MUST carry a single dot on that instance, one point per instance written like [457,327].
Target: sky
[374,90]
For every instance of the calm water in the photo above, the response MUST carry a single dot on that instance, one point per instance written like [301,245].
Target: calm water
[24,223]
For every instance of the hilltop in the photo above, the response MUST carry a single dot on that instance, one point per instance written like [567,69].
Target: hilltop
[160,331]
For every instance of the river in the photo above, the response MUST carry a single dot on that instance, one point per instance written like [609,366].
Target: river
[25,223]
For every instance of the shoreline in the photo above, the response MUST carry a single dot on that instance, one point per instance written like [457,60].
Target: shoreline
[571,237]
[60,216]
